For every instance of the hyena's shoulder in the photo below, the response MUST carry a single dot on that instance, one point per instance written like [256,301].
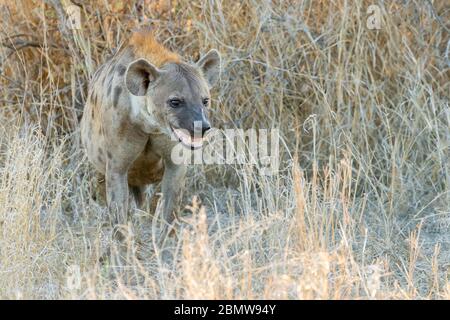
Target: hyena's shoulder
[107,94]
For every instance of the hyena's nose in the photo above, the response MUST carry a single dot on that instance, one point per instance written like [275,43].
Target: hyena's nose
[205,127]
[201,126]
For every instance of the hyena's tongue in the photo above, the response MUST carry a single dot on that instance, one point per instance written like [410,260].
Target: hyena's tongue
[187,140]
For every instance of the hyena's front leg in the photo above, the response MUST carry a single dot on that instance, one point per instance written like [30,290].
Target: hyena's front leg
[117,195]
[172,183]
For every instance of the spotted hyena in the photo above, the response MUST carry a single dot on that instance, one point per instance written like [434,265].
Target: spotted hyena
[137,102]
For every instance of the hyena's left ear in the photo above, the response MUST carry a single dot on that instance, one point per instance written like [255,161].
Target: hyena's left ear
[139,75]
[210,65]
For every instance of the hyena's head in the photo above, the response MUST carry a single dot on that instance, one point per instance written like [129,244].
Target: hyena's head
[177,95]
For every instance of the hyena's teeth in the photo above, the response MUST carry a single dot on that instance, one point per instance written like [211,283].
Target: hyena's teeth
[187,139]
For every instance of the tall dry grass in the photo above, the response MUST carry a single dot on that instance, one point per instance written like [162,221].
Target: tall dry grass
[359,208]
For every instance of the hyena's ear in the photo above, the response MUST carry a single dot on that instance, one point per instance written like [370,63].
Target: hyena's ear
[139,75]
[210,65]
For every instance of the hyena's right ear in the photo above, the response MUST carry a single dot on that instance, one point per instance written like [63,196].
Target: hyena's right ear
[139,75]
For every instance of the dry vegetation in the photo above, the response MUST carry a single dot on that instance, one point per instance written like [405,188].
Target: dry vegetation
[359,209]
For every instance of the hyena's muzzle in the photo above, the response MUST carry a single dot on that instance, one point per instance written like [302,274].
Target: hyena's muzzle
[192,126]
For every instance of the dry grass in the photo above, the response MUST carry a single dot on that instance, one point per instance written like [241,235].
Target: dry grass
[359,209]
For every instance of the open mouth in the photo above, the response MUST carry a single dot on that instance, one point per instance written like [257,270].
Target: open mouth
[186,139]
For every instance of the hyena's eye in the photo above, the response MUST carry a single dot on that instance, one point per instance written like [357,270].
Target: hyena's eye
[205,101]
[175,103]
